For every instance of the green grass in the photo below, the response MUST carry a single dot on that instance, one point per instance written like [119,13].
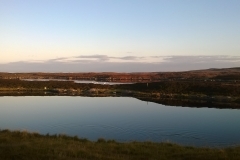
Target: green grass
[23,145]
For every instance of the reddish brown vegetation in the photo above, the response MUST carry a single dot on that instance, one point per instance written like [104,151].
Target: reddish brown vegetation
[210,74]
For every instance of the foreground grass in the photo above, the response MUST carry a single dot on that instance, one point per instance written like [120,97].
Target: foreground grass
[23,145]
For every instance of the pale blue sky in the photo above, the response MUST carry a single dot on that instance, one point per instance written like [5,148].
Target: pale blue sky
[32,30]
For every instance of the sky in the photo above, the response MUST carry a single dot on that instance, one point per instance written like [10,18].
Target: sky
[118,35]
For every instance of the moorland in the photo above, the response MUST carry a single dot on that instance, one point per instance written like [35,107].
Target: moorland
[218,88]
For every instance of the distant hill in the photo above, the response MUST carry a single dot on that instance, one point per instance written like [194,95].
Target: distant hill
[212,73]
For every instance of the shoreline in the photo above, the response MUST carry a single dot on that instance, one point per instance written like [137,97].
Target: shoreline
[26,145]
[178,100]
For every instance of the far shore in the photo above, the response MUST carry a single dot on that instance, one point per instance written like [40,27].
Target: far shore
[182,100]
[218,88]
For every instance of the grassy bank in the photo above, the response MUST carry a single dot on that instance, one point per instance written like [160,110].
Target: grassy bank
[24,145]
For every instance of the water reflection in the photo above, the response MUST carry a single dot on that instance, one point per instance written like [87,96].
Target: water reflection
[79,81]
[122,119]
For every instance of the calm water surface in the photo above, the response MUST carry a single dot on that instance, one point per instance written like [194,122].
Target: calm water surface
[122,119]
[78,81]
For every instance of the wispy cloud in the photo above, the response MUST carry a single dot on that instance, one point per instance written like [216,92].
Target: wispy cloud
[104,63]
[202,59]
[95,57]
[105,58]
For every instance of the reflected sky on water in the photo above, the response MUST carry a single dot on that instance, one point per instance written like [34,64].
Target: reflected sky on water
[80,81]
[122,119]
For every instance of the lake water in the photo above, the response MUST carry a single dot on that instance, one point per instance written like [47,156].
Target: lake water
[79,81]
[122,119]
